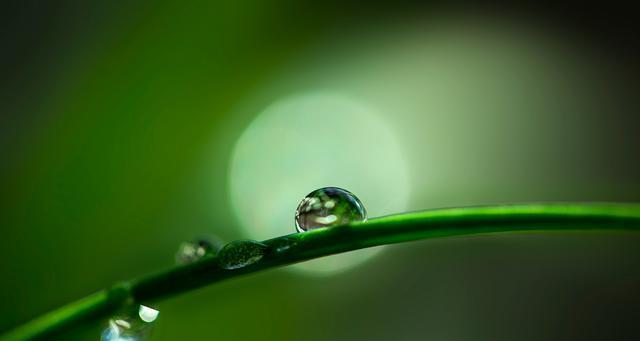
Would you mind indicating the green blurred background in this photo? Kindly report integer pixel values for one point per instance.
(128, 128)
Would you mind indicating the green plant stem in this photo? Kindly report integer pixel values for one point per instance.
(327, 241)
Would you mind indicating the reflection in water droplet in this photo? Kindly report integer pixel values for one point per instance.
(328, 206)
(193, 251)
(131, 325)
(241, 253)
(282, 245)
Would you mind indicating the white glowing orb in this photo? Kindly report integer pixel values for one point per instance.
(304, 142)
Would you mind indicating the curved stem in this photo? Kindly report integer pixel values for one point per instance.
(327, 241)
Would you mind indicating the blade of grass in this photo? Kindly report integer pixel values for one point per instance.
(299, 247)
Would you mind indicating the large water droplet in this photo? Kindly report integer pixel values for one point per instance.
(328, 206)
(131, 325)
(241, 253)
(195, 250)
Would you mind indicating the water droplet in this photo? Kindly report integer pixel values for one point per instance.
(147, 314)
(328, 206)
(131, 325)
(241, 253)
(282, 245)
(195, 250)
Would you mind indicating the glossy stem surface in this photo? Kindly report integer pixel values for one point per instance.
(321, 242)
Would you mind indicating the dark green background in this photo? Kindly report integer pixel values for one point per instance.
(117, 127)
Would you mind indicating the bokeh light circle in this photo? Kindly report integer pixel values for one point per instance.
(308, 141)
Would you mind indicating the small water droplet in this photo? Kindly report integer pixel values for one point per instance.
(328, 206)
(241, 253)
(195, 250)
(282, 245)
(131, 325)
